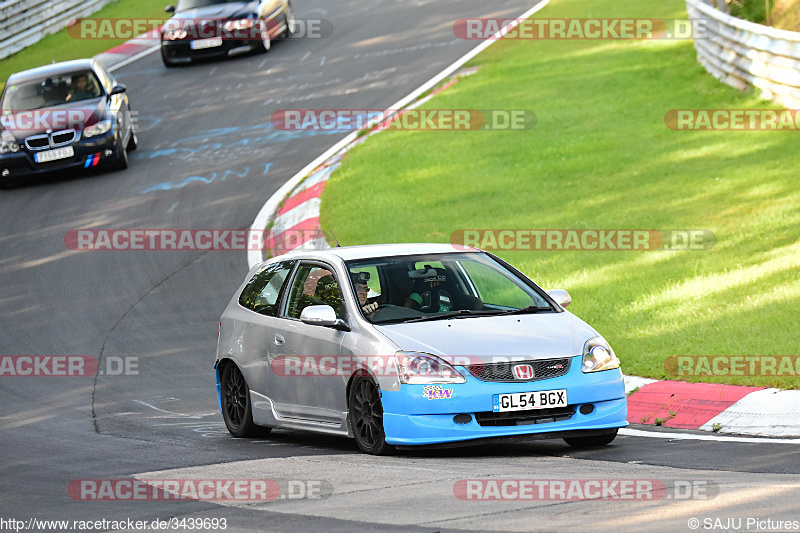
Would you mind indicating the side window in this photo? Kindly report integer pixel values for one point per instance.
(261, 294)
(314, 285)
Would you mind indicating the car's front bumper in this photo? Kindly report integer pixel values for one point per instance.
(410, 419)
(181, 51)
(90, 152)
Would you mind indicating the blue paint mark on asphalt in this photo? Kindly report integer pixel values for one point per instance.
(214, 176)
(274, 137)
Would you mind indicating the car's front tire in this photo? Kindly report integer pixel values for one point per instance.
(133, 141)
(121, 162)
(592, 442)
(265, 43)
(366, 417)
(236, 407)
(290, 21)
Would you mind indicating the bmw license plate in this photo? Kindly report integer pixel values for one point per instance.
(200, 44)
(521, 401)
(53, 155)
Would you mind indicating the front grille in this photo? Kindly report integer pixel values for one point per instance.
(550, 368)
(525, 418)
(38, 142)
(61, 138)
(51, 140)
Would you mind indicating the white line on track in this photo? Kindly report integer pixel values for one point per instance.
(628, 432)
(255, 256)
(136, 57)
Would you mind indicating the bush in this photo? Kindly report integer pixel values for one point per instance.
(752, 10)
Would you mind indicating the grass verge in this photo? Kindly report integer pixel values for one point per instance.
(602, 157)
(60, 46)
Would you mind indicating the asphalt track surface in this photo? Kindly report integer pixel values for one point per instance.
(208, 160)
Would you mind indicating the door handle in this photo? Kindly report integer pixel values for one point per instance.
(279, 340)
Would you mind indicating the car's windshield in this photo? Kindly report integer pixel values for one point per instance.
(50, 91)
(183, 5)
(427, 287)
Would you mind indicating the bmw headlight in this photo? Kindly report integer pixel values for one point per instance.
(423, 369)
(98, 129)
(175, 34)
(8, 143)
(240, 24)
(598, 356)
(8, 147)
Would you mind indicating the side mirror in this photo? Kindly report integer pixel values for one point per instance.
(170, 9)
(561, 297)
(322, 315)
(118, 89)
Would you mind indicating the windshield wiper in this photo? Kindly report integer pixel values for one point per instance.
(463, 313)
(525, 310)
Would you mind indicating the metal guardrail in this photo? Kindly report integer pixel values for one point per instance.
(25, 22)
(743, 54)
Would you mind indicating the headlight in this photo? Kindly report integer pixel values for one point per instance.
(174, 35)
(423, 369)
(98, 129)
(241, 24)
(598, 356)
(8, 146)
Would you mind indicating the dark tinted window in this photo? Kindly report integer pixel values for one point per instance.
(261, 294)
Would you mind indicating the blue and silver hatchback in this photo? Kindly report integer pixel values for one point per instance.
(412, 345)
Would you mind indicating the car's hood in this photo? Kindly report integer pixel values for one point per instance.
(217, 11)
(77, 115)
(531, 336)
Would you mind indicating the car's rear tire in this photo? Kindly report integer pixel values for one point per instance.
(236, 407)
(366, 417)
(592, 442)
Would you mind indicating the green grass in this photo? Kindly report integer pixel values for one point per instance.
(601, 157)
(60, 46)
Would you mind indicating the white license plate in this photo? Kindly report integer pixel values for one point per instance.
(522, 401)
(53, 155)
(200, 44)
